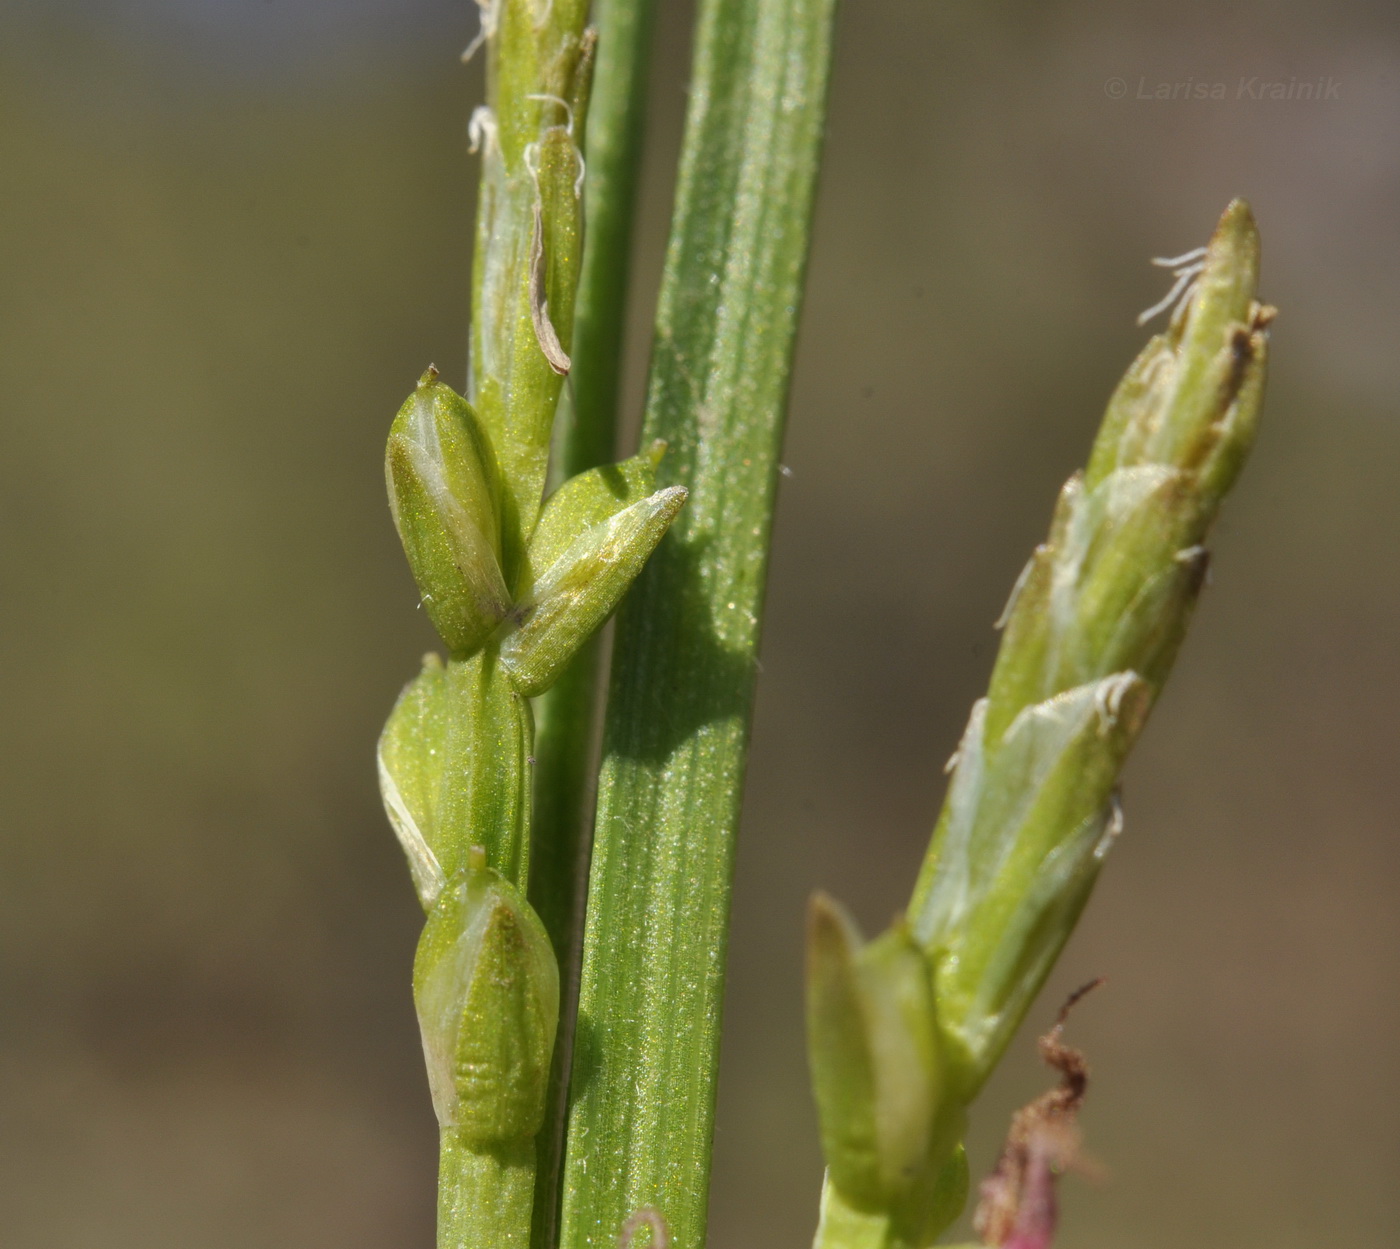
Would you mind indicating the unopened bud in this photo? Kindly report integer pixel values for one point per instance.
(486, 986)
(1023, 834)
(442, 493)
(594, 536)
(873, 1043)
(454, 771)
(556, 243)
(1113, 586)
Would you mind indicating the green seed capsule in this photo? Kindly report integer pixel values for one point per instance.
(579, 586)
(486, 986)
(454, 771)
(583, 501)
(441, 481)
(876, 1068)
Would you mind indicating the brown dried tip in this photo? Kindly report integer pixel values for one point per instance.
(1017, 1207)
(545, 334)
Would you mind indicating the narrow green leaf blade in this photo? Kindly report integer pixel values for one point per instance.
(677, 730)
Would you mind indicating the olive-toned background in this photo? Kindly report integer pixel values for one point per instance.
(231, 236)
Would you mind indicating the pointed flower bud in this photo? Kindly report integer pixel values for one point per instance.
(583, 501)
(876, 1068)
(442, 494)
(594, 536)
(487, 991)
(1113, 587)
(1020, 843)
(1091, 632)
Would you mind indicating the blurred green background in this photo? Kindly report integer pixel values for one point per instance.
(231, 236)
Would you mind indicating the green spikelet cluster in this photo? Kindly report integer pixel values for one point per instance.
(1090, 634)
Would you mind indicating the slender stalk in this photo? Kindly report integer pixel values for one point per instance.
(566, 759)
(645, 1060)
(616, 129)
(526, 209)
(586, 436)
(484, 1196)
(537, 83)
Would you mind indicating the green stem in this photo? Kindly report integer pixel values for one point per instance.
(537, 77)
(565, 758)
(538, 69)
(616, 128)
(842, 1226)
(484, 1197)
(677, 728)
(586, 436)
